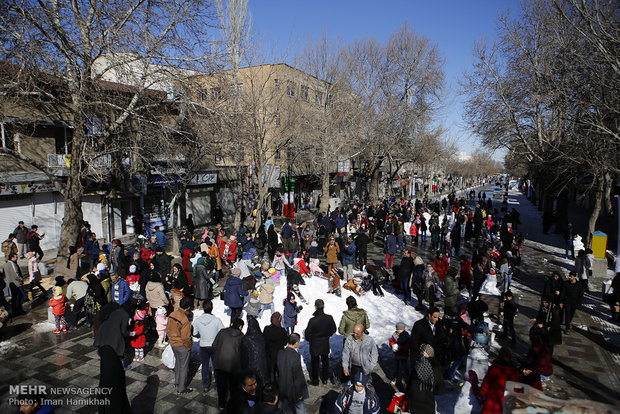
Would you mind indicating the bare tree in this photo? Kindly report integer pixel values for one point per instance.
(400, 85)
(236, 22)
(334, 122)
(73, 42)
(543, 92)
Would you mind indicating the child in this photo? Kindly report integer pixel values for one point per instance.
(253, 306)
(133, 279)
(58, 304)
(399, 342)
(138, 339)
(528, 374)
(280, 262)
(161, 321)
(289, 316)
(510, 311)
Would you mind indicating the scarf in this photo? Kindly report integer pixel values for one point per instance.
(424, 372)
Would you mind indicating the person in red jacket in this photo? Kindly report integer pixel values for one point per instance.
(465, 274)
(441, 265)
(138, 339)
(528, 374)
(493, 386)
(58, 304)
(540, 352)
(232, 249)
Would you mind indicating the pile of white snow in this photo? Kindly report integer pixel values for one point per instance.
(383, 312)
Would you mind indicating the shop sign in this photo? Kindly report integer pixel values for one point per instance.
(204, 178)
(27, 188)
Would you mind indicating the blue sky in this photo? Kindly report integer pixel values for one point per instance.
(453, 25)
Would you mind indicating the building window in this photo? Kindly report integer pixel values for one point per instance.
(330, 100)
(202, 95)
(276, 84)
(235, 90)
(291, 89)
(216, 94)
(318, 97)
(304, 93)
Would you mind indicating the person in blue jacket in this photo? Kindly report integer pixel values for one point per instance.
(340, 222)
(390, 250)
(233, 296)
(289, 316)
(119, 290)
(348, 257)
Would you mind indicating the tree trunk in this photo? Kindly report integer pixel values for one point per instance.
(374, 185)
(324, 191)
(609, 205)
(73, 216)
(596, 209)
(239, 200)
(561, 218)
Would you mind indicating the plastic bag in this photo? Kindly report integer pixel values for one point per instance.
(167, 357)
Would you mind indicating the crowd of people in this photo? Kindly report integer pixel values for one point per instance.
(135, 296)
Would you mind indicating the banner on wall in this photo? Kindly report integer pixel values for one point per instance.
(27, 188)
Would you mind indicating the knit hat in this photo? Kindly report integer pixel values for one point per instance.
(236, 272)
(132, 269)
(272, 271)
(57, 292)
(401, 325)
(100, 267)
(360, 378)
(427, 350)
(140, 314)
(290, 296)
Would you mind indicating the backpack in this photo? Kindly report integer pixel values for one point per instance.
(480, 336)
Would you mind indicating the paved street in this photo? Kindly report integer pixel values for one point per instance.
(586, 365)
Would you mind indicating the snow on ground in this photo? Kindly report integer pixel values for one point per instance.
(44, 327)
(7, 346)
(383, 313)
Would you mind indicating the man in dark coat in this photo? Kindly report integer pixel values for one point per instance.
(276, 338)
(254, 352)
(429, 330)
(405, 270)
(426, 331)
(226, 361)
(246, 395)
(320, 328)
(361, 243)
(573, 294)
(293, 388)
